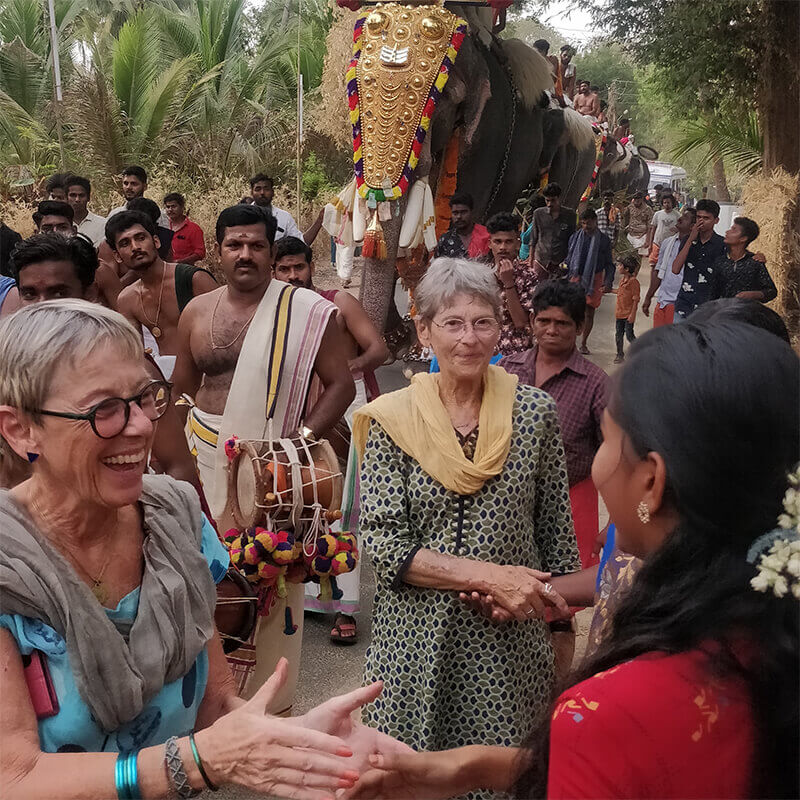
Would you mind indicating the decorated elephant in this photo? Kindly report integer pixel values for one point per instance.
(623, 170)
(438, 104)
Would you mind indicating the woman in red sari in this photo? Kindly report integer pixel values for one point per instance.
(694, 691)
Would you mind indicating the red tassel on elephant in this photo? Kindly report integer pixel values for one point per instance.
(374, 244)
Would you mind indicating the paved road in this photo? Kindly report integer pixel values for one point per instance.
(329, 669)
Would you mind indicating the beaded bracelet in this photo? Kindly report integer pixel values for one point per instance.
(199, 762)
(126, 776)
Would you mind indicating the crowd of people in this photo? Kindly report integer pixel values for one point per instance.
(126, 369)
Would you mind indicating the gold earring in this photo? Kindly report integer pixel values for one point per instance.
(643, 512)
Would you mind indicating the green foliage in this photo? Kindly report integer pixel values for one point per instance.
(316, 183)
(206, 85)
(736, 140)
(707, 50)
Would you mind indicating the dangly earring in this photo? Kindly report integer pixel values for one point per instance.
(643, 512)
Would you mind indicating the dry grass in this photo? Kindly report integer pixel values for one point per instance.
(330, 117)
(773, 201)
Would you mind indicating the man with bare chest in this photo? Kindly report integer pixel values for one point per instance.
(247, 353)
(154, 302)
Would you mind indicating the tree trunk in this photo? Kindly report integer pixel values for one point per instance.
(779, 93)
(720, 182)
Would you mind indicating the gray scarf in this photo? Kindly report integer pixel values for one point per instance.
(118, 669)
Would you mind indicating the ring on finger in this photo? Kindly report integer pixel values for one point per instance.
(530, 611)
(548, 587)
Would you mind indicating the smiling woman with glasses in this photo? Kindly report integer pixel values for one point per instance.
(109, 653)
(110, 417)
(464, 489)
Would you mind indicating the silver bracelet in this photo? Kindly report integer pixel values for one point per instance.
(177, 774)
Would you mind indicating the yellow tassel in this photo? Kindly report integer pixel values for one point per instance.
(374, 244)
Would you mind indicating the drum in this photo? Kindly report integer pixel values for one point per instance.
(236, 611)
(261, 482)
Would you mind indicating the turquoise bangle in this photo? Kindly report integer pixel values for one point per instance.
(126, 776)
(200, 766)
(133, 776)
(120, 783)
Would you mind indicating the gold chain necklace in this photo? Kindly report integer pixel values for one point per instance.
(211, 326)
(154, 329)
(98, 587)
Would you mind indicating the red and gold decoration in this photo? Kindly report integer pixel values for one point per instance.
(600, 137)
(402, 56)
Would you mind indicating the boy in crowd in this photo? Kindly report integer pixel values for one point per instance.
(628, 293)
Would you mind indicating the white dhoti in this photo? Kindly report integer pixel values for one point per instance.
(165, 363)
(347, 593)
(271, 382)
(639, 243)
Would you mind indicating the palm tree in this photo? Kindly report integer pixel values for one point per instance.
(734, 139)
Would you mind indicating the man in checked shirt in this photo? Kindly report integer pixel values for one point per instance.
(579, 388)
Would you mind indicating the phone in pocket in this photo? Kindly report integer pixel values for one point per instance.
(40, 685)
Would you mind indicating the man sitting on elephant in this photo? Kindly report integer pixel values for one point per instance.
(517, 280)
(465, 238)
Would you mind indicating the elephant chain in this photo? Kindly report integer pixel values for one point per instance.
(507, 153)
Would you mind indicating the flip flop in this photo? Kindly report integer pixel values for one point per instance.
(340, 627)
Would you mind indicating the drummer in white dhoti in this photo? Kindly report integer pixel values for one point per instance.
(366, 351)
(247, 353)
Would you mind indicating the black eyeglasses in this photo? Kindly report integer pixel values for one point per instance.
(110, 417)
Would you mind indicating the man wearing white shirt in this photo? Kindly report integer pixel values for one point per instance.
(262, 190)
(134, 184)
(79, 191)
(665, 284)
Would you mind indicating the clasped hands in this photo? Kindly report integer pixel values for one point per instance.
(516, 593)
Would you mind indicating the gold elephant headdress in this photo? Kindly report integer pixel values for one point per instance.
(402, 56)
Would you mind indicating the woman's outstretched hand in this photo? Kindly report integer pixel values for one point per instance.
(335, 717)
(413, 776)
(272, 755)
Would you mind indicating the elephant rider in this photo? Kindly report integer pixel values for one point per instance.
(548, 234)
(247, 353)
(586, 101)
(366, 351)
(465, 238)
(565, 76)
(517, 280)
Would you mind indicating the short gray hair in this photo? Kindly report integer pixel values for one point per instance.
(36, 340)
(447, 277)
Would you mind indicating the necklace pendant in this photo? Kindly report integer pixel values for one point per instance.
(156, 331)
(100, 592)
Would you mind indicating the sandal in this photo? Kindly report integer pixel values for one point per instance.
(344, 624)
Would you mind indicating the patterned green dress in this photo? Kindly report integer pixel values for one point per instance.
(452, 677)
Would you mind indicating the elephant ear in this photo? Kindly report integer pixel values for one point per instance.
(531, 71)
(464, 96)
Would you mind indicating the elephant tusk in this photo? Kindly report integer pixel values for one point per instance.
(413, 215)
(359, 219)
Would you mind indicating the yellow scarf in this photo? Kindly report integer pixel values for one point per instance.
(417, 422)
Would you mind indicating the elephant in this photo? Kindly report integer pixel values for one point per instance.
(494, 102)
(622, 170)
